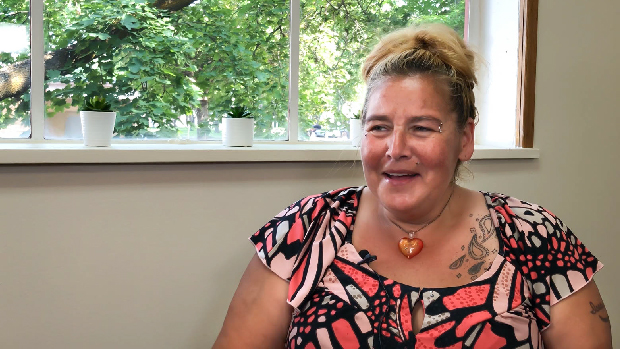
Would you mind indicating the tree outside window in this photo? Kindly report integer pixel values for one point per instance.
(172, 68)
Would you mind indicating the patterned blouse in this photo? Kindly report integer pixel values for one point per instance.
(340, 302)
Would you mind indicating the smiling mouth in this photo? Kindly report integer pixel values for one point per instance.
(400, 175)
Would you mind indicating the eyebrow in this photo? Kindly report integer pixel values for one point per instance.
(381, 117)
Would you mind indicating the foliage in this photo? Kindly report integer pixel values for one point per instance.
(137, 55)
(157, 66)
(96, 103)
(14, 12)
(239, 112)
(330, 88)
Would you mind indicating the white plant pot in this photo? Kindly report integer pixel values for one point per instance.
(238, 132)
(97, 128)
(355, 132)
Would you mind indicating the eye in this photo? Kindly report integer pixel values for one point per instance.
(426, 127)
(377, 128)
(419, 128)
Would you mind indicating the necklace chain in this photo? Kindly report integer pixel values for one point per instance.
(413, 231)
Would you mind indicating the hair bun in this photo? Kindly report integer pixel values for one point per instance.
(432, 44)
(423, 41)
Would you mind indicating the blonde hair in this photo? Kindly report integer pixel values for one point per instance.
(433, 49)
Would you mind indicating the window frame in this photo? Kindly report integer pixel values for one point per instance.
(525, 111)
(526, 78)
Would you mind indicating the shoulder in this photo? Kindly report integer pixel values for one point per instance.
(344, 199)
(553, 261)
(523, 215)
(302, 240)
(540, 241)
(294, 226)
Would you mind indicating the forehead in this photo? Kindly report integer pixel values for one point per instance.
(410, 96)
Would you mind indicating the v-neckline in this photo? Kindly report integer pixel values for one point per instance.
(499, 257)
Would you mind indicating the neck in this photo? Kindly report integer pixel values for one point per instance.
(416, 222)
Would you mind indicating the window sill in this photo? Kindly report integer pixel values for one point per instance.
(178, 152)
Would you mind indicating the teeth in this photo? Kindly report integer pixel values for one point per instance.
(399, 174)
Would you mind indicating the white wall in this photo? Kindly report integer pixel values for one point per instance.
(148, 256)
(135, 256)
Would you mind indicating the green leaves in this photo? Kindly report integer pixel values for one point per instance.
(52, 74)
(157, 68)
(130, 22)
(100, 36)
(134, 65)
(238, 112)
(96, 103)
(335, 38)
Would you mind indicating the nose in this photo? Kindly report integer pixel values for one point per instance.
(397, 146)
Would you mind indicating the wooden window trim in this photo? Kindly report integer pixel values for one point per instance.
(526, 79)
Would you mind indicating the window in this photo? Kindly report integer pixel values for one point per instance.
(173, 68)
(169, 72)
(14, 69)
(334, 39)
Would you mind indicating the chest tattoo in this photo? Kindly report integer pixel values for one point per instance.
(476, 254)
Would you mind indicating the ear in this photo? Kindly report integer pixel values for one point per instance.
(467, 141)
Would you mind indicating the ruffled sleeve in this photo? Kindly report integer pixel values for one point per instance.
(300, 242)
(569, 267)
(554, 262)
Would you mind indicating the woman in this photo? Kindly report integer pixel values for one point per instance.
(412, 260)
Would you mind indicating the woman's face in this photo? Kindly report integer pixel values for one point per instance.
(412, 144)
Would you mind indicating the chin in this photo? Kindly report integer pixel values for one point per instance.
(398, 201)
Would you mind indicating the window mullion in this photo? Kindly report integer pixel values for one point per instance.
(37, 71)
(293, 87)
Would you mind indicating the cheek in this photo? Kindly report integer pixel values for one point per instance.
(367, 148)
(372, 160)
(437, 155)
(370, 151)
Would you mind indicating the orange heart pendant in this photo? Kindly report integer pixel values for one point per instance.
(410, 247)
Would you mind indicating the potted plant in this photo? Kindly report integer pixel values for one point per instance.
(355, 129)
(238, 127)
(97, 121)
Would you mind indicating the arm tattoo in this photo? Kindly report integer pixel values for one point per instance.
(596, 308)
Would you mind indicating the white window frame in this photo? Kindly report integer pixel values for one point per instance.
(37, 149)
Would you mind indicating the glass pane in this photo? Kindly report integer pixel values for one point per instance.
(14, 69)
(335, 37)
(169, 73)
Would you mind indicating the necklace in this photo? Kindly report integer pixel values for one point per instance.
(411, 246)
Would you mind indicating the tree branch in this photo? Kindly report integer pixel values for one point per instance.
(172, 5)
(15, 78)
(279, 28)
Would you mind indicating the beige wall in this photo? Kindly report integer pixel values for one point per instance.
(148, 256)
